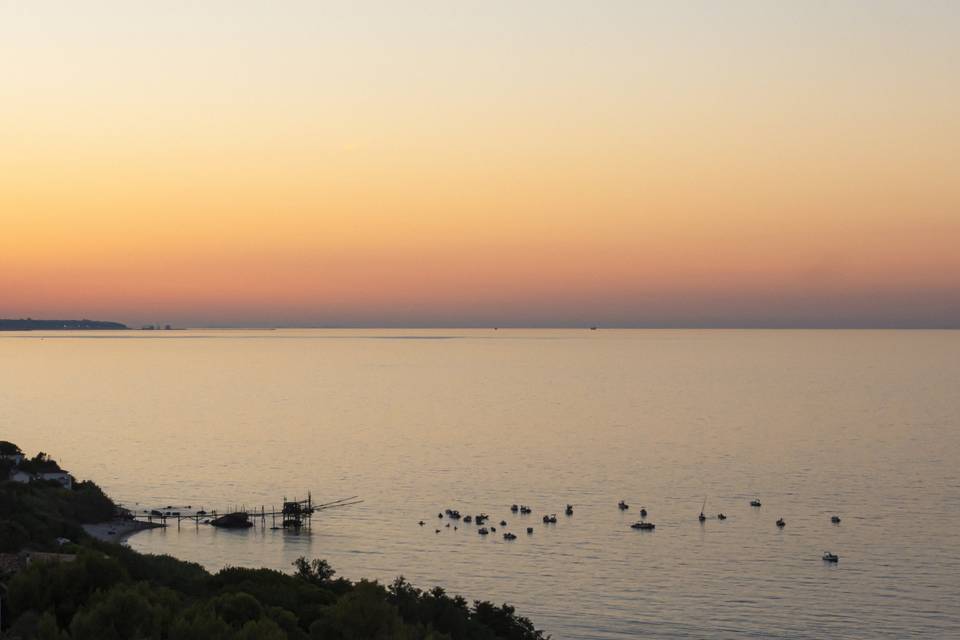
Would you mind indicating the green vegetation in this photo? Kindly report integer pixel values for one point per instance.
(9, 449)
(109, 592)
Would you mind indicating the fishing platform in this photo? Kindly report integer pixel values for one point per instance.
(295, 514)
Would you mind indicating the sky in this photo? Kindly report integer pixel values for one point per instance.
(481, 163)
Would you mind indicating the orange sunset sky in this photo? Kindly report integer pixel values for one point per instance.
(481, 163)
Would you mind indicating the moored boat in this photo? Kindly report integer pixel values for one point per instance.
(236, 520)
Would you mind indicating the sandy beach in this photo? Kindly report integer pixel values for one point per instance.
(117, 530)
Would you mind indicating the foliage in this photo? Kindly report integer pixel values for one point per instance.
(46, 511)
(109, 593)
(9, 449)
(40, 463)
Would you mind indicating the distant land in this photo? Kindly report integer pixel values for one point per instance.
(29, 324)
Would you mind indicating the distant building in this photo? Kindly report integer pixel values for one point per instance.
(20, 476)
(64, 478)
(37, 556)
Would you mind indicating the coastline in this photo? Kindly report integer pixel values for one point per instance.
(121, 529)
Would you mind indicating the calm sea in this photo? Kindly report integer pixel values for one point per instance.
(861, 424)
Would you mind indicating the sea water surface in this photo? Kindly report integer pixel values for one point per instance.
(861, 424)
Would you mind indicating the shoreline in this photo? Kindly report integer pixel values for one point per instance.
(122, 529)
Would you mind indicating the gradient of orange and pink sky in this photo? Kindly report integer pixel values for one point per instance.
(481, 163)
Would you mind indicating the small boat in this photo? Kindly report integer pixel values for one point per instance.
(514, 508)
(156, 514)
(482, 531)
(754, 503)
(720, 516)
(421, 523)
(781, 523)
(509, 536)
(480, 519)
(623, 506)
(201, 512)
(448, 525)
(643, 526)
(830, 557)
(494, 529)
(503, 523)
(529, 529)
(236, 520)
(468, 519)
(439, 515)
(551, 519)
(436, 531)
(701, 517)
(525, 509)
(569, 510)
(643, 512)
(835, 519)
